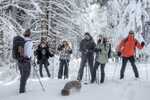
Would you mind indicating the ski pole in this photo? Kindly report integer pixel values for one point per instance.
(53, 69)
(115, 69)
(38, 76)
(86, 74)
(146, 72)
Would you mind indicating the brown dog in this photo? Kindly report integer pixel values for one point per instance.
(69, 85)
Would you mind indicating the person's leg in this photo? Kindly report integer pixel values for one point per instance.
(90, 62)
(132, 61)
(82, 65)
(40, 69)
(94, 71)
(60, 69)
(46, 68)
(26, 68)
(124, 63)
(22, 88)
(66, 69)
(102, 73)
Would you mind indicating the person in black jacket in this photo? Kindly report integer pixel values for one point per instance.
(87, 46)
(43, 55)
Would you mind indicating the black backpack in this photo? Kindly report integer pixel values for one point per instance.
(18, 47)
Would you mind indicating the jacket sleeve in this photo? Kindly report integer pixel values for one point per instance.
(138, 45)
(51, 55)
(70, 51)
(120, 46)
(81, 49)
(97, 48)
(94, 45)
(60, 47)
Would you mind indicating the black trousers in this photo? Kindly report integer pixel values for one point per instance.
(63, 68)
(45, 63)
(85, 59)
(102, 72)
(124, 63)
(24, 68)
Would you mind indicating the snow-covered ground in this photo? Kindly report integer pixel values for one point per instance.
(112, 89)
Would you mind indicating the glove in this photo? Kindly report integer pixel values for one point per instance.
(142, 43)
(119, 53)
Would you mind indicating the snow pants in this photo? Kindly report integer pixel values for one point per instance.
(102, 72)
(45, 63)
(124, 63)
(85, 59)
(63, 68)
(24, 68)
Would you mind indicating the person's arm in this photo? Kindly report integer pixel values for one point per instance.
(139, 45)
(70, 51)
(120, 47)
(97, 48)
(94, 46)
(60, 47)
(50, 54)
(81, 47)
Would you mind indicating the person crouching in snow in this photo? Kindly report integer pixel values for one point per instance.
(102, 50)
(65, 53)
(127, 50)
(70, 85)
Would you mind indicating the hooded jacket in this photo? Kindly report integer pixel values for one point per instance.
(87, 46)
(128, 46)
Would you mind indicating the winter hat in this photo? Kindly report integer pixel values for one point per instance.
(87, 34)
(27, 33)
(131, 32)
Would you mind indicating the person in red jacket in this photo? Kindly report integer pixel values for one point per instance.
(127, 50)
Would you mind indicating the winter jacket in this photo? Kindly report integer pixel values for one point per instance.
(87, 46)
(128, 46)
(102, 53)
(65, 53)
(43, 53)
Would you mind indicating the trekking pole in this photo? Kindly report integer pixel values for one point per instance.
(115, 69)
(86, 74)
(97, 76)
(146, 72)
(38, 77)
(53, 69)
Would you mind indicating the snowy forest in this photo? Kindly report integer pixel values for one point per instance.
(59, 20)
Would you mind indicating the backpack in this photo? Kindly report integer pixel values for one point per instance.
(18, 47)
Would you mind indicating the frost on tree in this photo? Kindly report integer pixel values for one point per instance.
(146, 33)
(15, 17)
